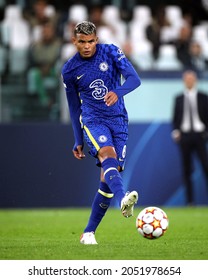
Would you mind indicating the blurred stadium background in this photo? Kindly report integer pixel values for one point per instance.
(37, 168)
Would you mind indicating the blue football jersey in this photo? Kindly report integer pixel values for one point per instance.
(87, 81)
(92, 78)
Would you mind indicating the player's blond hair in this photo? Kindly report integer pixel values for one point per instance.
(85, 27)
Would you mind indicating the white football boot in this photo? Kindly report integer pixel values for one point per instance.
(88, 238)
(128, 202)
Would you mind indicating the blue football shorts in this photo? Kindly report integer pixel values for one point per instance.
(101, 134)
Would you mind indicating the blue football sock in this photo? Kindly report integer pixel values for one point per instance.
(99, 207)
(113, 178)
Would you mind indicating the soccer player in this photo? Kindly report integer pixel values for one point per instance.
(95, 90)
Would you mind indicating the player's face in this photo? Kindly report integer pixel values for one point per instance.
(85, 44)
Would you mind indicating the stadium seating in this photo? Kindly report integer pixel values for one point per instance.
(167, 59)
(14, 28)
(112, 17)
(18, 60)
(174, 14)
(137, 32)
(169, 33)
(200, 33)
(142, 55)
(111, 12)
(106, 36)
(16, 35)
(77, 13)
(50, 11)
(67, 50)
(204, 46)
(142, 15)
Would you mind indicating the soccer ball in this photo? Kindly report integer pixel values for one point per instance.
(152, 222)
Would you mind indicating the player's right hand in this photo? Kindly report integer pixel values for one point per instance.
(110, 98)
(78, 153)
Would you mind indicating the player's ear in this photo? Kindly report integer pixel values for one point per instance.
(74, 40)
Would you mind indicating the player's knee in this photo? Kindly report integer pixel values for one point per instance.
(106, 152)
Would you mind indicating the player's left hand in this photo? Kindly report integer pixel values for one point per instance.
(110, 98)
(78, 152)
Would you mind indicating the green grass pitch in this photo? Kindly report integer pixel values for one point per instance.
(53, 234)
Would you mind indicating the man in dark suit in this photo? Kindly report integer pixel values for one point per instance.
(190, 128)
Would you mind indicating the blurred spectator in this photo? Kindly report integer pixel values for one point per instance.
(183, 44)
(95, 15)
(197, 9)
(43, 75)
(153, 31)
(67, 49)
(67, 32)
(41, 12)
(198, 62)
(106, 32)
(189, 51)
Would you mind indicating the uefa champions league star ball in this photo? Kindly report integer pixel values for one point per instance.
(152, 222)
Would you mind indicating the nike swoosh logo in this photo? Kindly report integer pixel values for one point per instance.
(79, 77)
